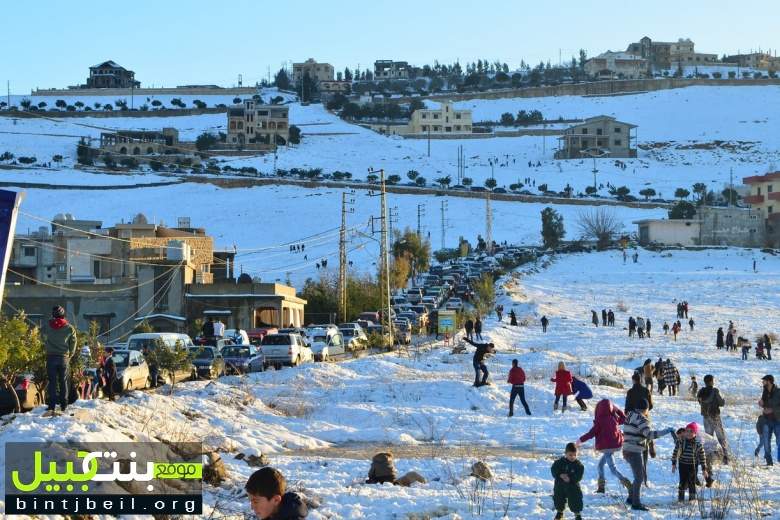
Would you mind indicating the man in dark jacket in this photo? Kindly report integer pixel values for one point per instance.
(469, 326)
(269, 498)
(710, 400)
(109, 371)
(479, 361)
(770, 406)
(545, 322)
(208, 328)
(478, 328)
(603, 317)
(636, 394)
(60, 342)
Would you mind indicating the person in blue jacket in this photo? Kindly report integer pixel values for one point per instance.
(582, 392)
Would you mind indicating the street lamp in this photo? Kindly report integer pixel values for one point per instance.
(595, 153)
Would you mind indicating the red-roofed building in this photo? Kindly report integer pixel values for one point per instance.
(765, 198)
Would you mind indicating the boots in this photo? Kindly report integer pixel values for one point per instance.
(601, 484)
(680, 495)
(559, 515)
(555, 406)
(626, 483)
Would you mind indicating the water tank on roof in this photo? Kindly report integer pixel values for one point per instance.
(59, 216)
(140, 219)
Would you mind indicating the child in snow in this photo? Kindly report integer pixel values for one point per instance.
(694, 388)
(567, 472)
(690, 453)
(269, 498)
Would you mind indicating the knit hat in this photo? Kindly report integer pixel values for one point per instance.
(642, 405)
(693, 427)
(58, 312)
(769, 377)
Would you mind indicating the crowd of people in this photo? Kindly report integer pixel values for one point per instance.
(732, 342)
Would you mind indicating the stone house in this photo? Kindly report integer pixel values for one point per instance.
(111, 75)
(597, 135)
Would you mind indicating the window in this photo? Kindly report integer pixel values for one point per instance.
(96, 268)
(436, 116)
(447, 119)
(457, 128)
(618, 130)
(28, 251)
(448, 129)
(599, 131)
(585, 131)
(457, 116)
(769, 189)
(600, 142)
(618, 142)
(770, 210)
(425, 115)
(60, 268)
(758, 190)
(424, 128)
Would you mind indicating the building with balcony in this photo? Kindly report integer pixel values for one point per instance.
(599, 136)
(256, 126)
(141, 142)
(111, 75)
(616, 65)
(317, 71)
(764, 197)
(668, 55)
(389, 69)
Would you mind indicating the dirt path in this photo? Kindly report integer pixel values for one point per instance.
(366, 450)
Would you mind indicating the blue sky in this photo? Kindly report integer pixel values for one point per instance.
(52, 44)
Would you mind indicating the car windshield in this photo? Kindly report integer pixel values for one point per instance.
(320, 339)
(204, 353)
(140, 344)
(276, 340)
(235, 352)
(121, 359)
(347, 332)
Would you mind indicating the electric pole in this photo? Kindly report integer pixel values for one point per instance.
(429, 140)
(443, 223)
(343, 256)
(393, 214)
(420, 213)
(731, 185)
(384, 253)
(488, 224)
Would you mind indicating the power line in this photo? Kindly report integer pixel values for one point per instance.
(84, 291)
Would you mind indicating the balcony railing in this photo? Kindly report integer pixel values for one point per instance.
(754, 199)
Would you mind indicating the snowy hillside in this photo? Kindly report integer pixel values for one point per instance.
(424, 409)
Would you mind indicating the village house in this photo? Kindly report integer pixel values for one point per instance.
(329, 89)
(764, 198)
(622, 65)
(712, 226)
(437, 122)
(667, 55)
(140, 142)
(389, 69)
(600, 135)
(316, 71)
(110, 75)
(255, 126)
(755, 60)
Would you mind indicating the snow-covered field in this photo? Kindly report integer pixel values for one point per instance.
(320, 424)
(260, 221)
(694, 116)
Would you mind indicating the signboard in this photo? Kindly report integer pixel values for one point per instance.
(9, 207)
(447, 322)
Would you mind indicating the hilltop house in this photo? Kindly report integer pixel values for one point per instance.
(666, 55)
(600, 135)
(316, 71)
(389, 69)
(765, 200)
(436, 122)
(111, 75)
(610, 65)
(256, 126)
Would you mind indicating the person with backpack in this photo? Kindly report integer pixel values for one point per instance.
(563, 380)
(59, 339)
(609, 440)
(689, 452)
(478, 361)
(637, 431)
(517, 380)
(567, 472)
(109, 371)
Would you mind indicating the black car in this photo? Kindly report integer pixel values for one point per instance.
(29, 392)
(499, 190)
(208, 363)
(478, 188)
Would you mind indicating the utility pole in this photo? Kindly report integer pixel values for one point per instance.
(731, 185)
(384, 253)
(443, 223)
(420, 213)
(393, 214)
(429, 139)
(488, 224)
(8, 99)
(343, 256)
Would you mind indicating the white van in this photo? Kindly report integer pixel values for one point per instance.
(151, 339)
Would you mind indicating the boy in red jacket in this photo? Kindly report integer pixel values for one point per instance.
(517, 380)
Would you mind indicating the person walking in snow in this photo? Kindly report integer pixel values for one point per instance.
(609, 440)
(768, 347)
(512, 318)
(604, 317)
(631, 326)
(730, 340)
(689, 452)
(671, 377)
(693, 388)
(517, 380)
(685, 309)
(637, 431)
(594, 318)
(545, 322)
(611, 318)
(744, 344)
(567, 472)
(711, 401)
(659, 375)
(676, 329)
(499, 312)
(563, 380)
(648, 325)
(469, 326)
(770, 407)
(109, 369)
(691, 323)
(478, 361)
(647, 374)
(59, 339)
(719, 338)
(640, 327)
(478, 328)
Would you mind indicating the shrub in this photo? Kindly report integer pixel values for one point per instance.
(295, 134)
(129, 162)
(205, 141)
(155, 165)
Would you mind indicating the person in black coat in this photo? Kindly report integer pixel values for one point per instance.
(545, 322)
(603, 317)
(594, 318)
(648, 326)
(719, 338)
(478, 328)
(479, 361)
(636, 394)
(109, 371)
(469, 326)
(208, 328)
(512, 318)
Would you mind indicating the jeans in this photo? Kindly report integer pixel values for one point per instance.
(518, 390)
(606, 458)
(638, 470)
(558, 397)
(57, 371)
(480, 366)
(714, 426)
(769, 429)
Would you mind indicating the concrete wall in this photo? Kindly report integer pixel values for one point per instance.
(175, 91)
(670, 232)
(732, 227)
(165, 112)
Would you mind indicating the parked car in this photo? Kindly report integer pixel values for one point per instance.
(256, 335)
(241, 359)
(285, 349)
(354, 339)
(325, 344)
(402, 333)
(132, 370)
(239, 336)
(217, 343)
(30, 394)
(146, 339)
(208, 362)
(303, 333)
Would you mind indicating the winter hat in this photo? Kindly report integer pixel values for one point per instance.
(693, 427)
(642, 405)
(768, 377)
(58, 312)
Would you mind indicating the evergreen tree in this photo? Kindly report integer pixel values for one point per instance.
(282, 80)
(552, 228)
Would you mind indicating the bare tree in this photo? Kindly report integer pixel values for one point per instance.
(599, 224)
